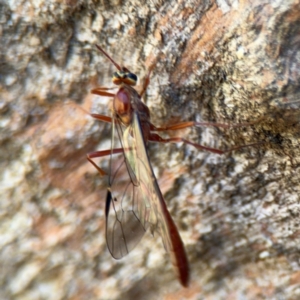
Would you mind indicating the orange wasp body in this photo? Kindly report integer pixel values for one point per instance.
(134, 201)
(138, 204)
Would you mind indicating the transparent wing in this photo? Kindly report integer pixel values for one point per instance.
(124, 228)
(134, 202)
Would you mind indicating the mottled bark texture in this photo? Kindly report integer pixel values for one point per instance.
(225, 61)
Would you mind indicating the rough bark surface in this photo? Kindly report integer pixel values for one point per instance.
(218, 61)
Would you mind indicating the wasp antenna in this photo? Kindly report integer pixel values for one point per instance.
(116, 65)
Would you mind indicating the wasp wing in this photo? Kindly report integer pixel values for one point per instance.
(134, 202)
(123, 227)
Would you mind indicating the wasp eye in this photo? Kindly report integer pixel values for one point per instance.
(132, 77)
(124, 77)
(116, 75)
(119, 75)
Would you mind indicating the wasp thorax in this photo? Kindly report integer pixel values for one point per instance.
(124, 76)
(122, 105)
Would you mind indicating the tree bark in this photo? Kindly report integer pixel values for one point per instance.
(231, 62)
